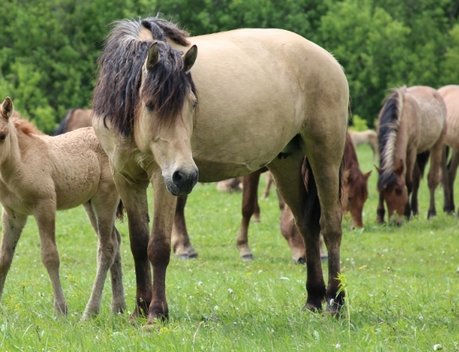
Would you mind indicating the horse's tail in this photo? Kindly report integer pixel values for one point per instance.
(388, 124)
(120, 211)
(312, 204)
(62, 128)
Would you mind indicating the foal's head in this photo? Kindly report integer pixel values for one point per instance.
(355, 194)
(165, 114)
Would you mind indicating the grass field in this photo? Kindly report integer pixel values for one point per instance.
(402, 287)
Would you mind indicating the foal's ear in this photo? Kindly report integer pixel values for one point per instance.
(367, 175)
(7, 107)
(189, 58)
(153, 56)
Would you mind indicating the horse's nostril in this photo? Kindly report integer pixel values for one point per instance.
(178, 176)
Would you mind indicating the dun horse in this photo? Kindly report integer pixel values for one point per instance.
(450, 96)
(255, 98)
(412, 122)
(40, 174)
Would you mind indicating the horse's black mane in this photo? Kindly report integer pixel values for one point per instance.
(388, 129)
(117, 92)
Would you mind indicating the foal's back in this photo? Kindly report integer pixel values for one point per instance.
(67, 169)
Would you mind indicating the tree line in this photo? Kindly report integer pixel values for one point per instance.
(49, 48)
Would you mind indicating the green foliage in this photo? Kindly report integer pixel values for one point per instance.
(49, 48)
(358, 123)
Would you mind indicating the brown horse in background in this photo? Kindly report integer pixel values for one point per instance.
(450, 95)
(252, 101)
(40, 174)
(75, 118)
(412, 122)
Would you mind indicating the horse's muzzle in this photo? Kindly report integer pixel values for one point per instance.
(182, 182)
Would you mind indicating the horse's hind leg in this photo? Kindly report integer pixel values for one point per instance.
(249, 207)
(102, 220)
(12, 228)
(181, 243)
(434, 176)
(45, 217)
(449, 175)
(306, 211)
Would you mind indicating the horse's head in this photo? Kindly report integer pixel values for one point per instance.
(355, 194)
(165, 114)
(6, 111)
(393, 189)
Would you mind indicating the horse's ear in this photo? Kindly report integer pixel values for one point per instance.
(367, 175)
(153, 56)
(7, 107)
(189, 58)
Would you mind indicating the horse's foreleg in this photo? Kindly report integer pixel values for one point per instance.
(134, 198)
(452, 170)
(159, 246)
(380, 211)
(306, 211)
(12, 228)
(449, 171)
(181, 243)
(45, 217)
(249, 206)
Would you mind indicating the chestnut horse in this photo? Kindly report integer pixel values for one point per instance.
(256, 98)
(450, 96)
(75, 118)
(412, 122)
(40, 174)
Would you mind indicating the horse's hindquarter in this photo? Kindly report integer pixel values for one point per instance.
(76, 167)
(430, 109)
(450, 95)
(257, 89)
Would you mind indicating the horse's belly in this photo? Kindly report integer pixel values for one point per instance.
(213, 171)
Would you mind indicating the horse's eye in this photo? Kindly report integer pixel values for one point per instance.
(398, 191)
(2, 136)
(150, 106)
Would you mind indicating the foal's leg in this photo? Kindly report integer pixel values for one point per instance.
(134, 198)
(181, 243)
(159, 247)
(13, 224)
(249, 206)
(45, 216)
(102, 219)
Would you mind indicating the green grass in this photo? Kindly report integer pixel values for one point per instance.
(402, 287)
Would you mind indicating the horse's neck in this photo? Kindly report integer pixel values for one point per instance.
(12, 159)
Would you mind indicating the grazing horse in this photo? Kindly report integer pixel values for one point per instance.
(75, 118)
(365, 137)
(40, 174)
(450, 96)
(412, 122)
(255, 98)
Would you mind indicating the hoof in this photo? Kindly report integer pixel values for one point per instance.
(247, 257)
(431, 214)
(313, 307)
(187, 254)
(334, 307)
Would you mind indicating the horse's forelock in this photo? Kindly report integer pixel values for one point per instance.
(116, 95)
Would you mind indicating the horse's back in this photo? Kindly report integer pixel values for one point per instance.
(252, 82)
(450, 95)
(78, 163)
(430, 110)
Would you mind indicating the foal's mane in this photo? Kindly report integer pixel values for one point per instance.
(117, 93)
(24, 126)
(389, 122)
